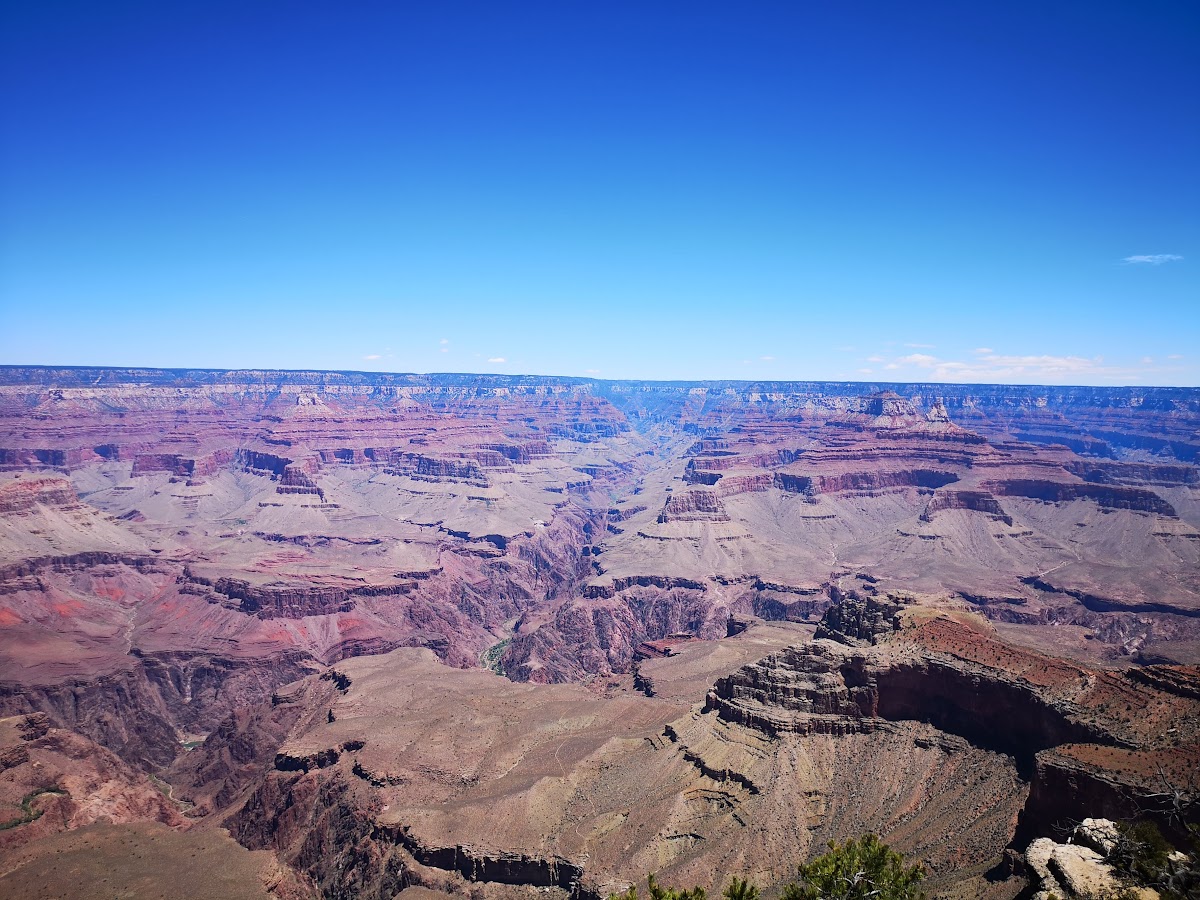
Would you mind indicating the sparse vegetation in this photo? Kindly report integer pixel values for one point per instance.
(28, 813)
(738, 889)
(861, 869)
(857, 870)
(1144, 857)
(340, 679)
(493, 657)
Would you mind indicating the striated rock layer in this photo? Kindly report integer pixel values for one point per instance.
(391, 771)
(184, 553)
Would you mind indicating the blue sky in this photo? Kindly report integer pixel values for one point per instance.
(956, 192)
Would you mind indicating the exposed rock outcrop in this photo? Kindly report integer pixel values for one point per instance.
(1079, 868)
(53, 780)
(284, 601)
(1107, 496)
(136, 713)
(856, 620)
(1076, 734)
(19, 497)
(694, 506)
(977, 501)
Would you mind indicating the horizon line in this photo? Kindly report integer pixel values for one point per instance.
(580, 378)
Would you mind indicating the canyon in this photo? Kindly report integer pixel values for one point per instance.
(492, 635)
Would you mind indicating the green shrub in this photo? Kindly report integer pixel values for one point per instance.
(740, 889)
(658, 892)
(862, 869)
(1141, 852)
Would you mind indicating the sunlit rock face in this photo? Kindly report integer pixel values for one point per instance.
(1002, 580)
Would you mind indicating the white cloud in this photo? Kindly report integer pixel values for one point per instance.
(989, 366)
(1153, 259)
(444, 341)
(983, 350)
(875, 359)
(767, 358)
(591, 371)
(496, 359)
(373, 356)
(920, 346)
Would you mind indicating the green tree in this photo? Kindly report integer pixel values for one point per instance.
(1143, 856)
(740, 889)
(658, 892)
(862, 869)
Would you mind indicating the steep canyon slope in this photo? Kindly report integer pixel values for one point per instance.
(176, 547)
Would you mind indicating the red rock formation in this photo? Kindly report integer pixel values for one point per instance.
(1093, 744)
(977, 501)
(1108, 496)
(52, 780)
(457, 469)
(285, 601)
(693, 506)
(17, 497)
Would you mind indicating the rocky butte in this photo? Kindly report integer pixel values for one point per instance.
(361, 634)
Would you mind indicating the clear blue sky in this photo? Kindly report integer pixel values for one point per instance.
(903, 191)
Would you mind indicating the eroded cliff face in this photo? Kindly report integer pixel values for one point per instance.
(326, 829)
(472, 780)
(141, 712)
(23, 497)
(54, 780)
(393, 770)
(1091, 743)
(898, 737)
(600, 635)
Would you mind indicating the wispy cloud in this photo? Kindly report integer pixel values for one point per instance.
(373, 356)
(496, 359)
(920, 346)
(983, 350)
(1152, 259)
(444, 341)
(767, 358)
(989, 366)
(591, 371)
(875, 359)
